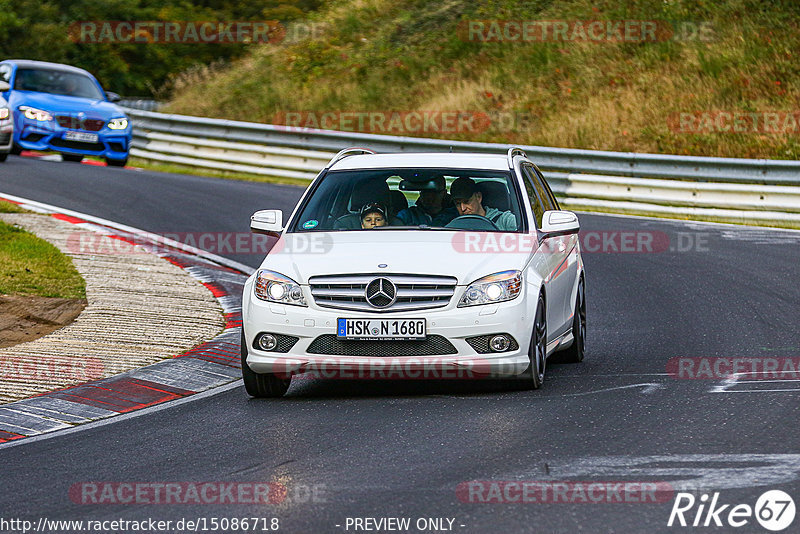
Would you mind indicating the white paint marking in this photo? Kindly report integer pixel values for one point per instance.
(735, 380)
(649, 387)
(685, 471)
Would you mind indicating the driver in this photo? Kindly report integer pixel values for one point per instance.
(469, 201)
(432, 207)
(69, 86)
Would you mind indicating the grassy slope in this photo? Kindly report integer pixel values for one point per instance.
(32, 266)
(407, 55)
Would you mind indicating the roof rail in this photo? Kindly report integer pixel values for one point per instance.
(515, 151)
(348, 152)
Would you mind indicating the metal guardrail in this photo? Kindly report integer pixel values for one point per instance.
(143, 104)
(728, 189)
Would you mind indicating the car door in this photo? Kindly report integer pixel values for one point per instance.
(547, 261)
(565, 252)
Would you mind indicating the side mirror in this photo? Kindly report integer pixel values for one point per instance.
(555, 223)
(4, 87)
(267, 222)
(113, 97)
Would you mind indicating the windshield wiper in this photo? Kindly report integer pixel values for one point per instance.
(418, 227)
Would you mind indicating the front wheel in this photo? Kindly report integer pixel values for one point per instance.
(261, 385)
(3, 156)
(533, 378)
(16, 149)
(116, 162)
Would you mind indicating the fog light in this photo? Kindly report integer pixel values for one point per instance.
(267, 342)
(499, 343)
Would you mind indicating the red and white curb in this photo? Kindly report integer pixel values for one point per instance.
(57, 157)
(209, 365)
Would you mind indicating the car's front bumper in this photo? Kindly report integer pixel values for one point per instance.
(46, 136)
(454, 324)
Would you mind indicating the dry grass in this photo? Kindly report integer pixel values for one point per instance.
(380, 55)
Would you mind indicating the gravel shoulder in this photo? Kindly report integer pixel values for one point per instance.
(140, 309)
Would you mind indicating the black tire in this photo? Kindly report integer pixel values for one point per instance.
(72, 158)
(116, 162)
(3, 156)
(533, 377)
(576, 351)
(16, 149)
(261, 385)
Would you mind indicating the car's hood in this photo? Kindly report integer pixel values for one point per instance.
(301, 256)
(67, 104)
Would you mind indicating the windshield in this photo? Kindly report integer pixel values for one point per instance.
(57, 82)
(408, 198)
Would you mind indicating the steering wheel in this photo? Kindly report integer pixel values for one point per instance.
(472, 222)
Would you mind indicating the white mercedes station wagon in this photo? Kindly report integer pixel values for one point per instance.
(416, 266)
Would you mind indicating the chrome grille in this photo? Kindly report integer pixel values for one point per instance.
(413, 292)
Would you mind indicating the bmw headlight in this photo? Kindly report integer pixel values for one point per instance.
(274, 287)
(118, 124)
(35, 114)
(3, 113)
(498, 287)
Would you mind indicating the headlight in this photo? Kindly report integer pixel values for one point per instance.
(275, 287)
(498, 287)
(118, 124)
(3, 113)
(35, 114)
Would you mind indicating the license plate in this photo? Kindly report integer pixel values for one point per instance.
(381, 329)
(81, 136)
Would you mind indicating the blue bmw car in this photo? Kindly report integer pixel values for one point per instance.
(64, 109)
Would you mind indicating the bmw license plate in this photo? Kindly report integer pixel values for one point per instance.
(381, 329)
(81, 136)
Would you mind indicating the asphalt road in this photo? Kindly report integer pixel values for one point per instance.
(350, 449)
